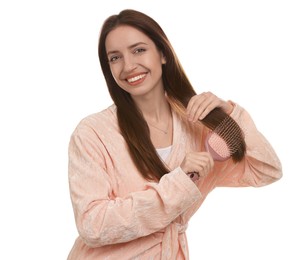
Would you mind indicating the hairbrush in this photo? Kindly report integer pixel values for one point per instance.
(226, 138)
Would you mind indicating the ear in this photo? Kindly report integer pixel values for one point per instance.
(163, 59)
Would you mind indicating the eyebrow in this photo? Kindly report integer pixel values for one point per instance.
(129, 47)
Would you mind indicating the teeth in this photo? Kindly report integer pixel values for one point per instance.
(136, 78)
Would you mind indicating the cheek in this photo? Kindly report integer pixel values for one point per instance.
(115, 72)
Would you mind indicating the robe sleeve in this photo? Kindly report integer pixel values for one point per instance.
(260, 166)
(101, 217)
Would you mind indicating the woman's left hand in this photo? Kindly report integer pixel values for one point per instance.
(201, 105)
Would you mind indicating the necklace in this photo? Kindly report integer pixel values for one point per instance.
(164, 131)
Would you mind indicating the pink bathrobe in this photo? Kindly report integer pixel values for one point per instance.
(120, 215)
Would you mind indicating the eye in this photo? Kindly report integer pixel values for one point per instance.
(114, 58)
(139, 50)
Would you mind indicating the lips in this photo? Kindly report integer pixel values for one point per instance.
(136, 79)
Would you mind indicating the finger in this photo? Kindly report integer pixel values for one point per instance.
(204, 109)
(194, 105)
(206, 164)
(195, 98)
(202, 166)
(197, 106)
(201, 162)
(210, 103)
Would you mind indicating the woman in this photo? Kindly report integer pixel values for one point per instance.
(139, 169)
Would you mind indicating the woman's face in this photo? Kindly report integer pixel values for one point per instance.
(135, 61)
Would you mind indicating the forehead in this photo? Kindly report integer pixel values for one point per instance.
(124, 36)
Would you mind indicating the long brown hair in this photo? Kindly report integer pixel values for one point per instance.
(177, 86)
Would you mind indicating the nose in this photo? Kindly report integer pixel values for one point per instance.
(128, 64)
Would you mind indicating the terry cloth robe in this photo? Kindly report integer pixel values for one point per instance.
(120, 215)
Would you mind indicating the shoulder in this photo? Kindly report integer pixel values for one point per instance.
(106, 116)
(100, 123)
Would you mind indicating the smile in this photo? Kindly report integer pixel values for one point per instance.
(136, 78)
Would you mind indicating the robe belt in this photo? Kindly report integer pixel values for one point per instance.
(170, 241)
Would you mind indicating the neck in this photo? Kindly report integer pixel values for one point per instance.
(154, 109)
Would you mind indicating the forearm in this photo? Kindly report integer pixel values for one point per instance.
(104, 222)
(261, 165)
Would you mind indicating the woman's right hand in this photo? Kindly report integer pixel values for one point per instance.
(199, 162)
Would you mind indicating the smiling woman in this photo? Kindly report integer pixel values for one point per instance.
(135, 62)
(139, 170)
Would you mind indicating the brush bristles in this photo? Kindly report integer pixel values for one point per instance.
(230, 131)
(227, 129)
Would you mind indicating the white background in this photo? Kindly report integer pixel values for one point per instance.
(50, 79)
